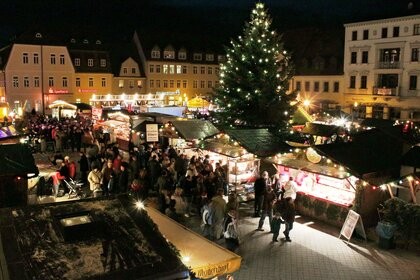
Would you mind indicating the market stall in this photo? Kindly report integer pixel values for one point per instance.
(60, 109)
(332, 178)
(205, 259)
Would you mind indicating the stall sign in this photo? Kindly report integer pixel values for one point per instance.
(152, 132)
(353, 219)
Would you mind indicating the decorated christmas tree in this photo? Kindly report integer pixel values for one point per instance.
(254, 79)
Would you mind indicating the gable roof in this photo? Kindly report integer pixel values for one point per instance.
(371, 151)
(16, 159)
(258, 141)
(191, 129)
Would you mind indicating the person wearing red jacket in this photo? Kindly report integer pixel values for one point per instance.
(57, 177)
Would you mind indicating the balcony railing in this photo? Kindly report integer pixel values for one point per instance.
(389, 64)
(386, 91)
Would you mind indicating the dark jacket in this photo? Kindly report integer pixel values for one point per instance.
(260, 187)
(123, 181)
(269, 199)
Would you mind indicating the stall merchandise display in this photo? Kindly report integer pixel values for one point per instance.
(241, 177)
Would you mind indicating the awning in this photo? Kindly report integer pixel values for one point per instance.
(205, 258)
(258, 141)
(191, 129)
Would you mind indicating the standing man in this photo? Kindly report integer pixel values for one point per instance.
(267, 208)
(218, 208)
(260, 187)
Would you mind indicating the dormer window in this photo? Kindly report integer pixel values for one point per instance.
(209, 57)
(72, 40)
(197, 56)
(85, 41)
(38, 35)
(182, 54)
(169, 53)
(98, 42)
(155, 52)
(220, 58)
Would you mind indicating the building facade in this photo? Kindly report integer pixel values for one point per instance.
(382, 68)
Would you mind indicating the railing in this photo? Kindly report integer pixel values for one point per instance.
(389, 64)
(386, 91)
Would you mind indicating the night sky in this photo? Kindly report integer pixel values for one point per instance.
(223, 18)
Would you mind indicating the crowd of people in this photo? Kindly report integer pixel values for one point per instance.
(182, 186)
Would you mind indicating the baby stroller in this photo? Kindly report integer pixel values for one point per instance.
(75, 188)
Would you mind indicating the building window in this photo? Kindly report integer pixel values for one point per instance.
(365, 56)
(326, 86)
(157, 68)
(216, 84)
(103, 62)
(90, 82)
(352, 82)
(178, 83)
(165, 83)
(25, 58)
(336, 87)
(131, 83)
(25, 81)
(197, 56)
(50, 81)
(178, 69)
(165, 69)
(139, 84)
(316, 86)
(184, 83)
(62, 61)
(155, 54)
(203, 70)
(209, 57)
(415, 54)
(195, 69)
(125, 71)
(52, 59)
(182, 55)
(90, 62)
(220, 58)
(298, 85)
(363, 82)
(36, 58)
(209, 84)
(354, 36)
(396, 31)
(171, 69)
(77, 61)
(216, 71)
(184, 69)
(365, 34)
(416, 29)
(151, 83)
(413, 83)
(103, 82)
(384, 32)
(133, 70)
(195, 84)
(36, 81)
(77, 82)
(15, 82)
(65, 82)
(151, 68)
(210, 70)
(171, 83)
(202, 84)
(353, 59)
(121, 83)
(169, 54)
(307, 86)
(158, 83)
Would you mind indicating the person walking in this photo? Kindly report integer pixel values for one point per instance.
(267, 208)
(287, 209)
(276, 225)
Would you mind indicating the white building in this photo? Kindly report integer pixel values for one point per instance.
(36, 74)
(382, 68)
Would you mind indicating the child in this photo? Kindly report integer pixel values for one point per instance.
(289, 217)
(275, 225)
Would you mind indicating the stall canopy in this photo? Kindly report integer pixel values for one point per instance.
(223, 147)
(258, 141)
(191, 129)
(319, 129)
(17, 159)
(62, 104)
(371, 152)
(206, 259)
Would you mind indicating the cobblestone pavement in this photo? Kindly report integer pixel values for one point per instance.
(315, 252)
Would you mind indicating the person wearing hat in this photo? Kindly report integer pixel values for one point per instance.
(231, 231)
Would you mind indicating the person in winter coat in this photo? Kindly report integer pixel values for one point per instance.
(275, 225)
(123, 178)
(84, 167)
(267, 208)
(287, 209)
(94, 179)
(218, 206)
(260, 187)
